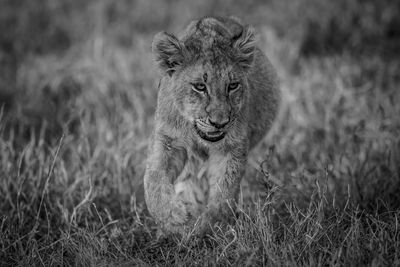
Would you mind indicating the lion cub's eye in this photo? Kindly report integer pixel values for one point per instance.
(233, 86)
(201, 87)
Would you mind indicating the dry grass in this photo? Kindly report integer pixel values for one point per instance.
(77, 111)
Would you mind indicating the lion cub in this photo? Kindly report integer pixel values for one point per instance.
(218, 96)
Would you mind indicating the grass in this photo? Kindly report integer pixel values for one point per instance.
(77, 111)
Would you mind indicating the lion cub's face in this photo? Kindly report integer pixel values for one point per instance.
(210, 97)
(207, 70)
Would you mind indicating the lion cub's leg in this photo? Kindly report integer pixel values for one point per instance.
(164, 165)
(192, 187)
(224, 173)
(193, 193)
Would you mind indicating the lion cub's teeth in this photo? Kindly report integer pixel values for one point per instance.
(218, 133)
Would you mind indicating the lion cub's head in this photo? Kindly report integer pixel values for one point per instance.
(206, 71)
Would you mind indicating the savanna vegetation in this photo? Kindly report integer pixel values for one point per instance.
(78, 94)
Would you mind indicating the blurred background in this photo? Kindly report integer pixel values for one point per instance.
(79, 76)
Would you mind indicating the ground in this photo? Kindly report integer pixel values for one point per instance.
(78, 93)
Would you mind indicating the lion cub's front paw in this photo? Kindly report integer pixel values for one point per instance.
(192, 194)
(179, 214)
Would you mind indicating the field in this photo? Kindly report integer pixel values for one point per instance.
(78, 94)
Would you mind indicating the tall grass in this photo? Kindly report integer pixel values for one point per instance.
(78, 94)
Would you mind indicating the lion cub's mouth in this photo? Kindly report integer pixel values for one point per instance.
(208, 132)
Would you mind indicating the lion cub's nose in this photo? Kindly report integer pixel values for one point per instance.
(218, 122)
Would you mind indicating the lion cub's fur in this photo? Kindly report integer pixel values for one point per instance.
(218, 97)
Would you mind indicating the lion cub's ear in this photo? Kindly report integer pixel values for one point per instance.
(245, 44)
(169, 52)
